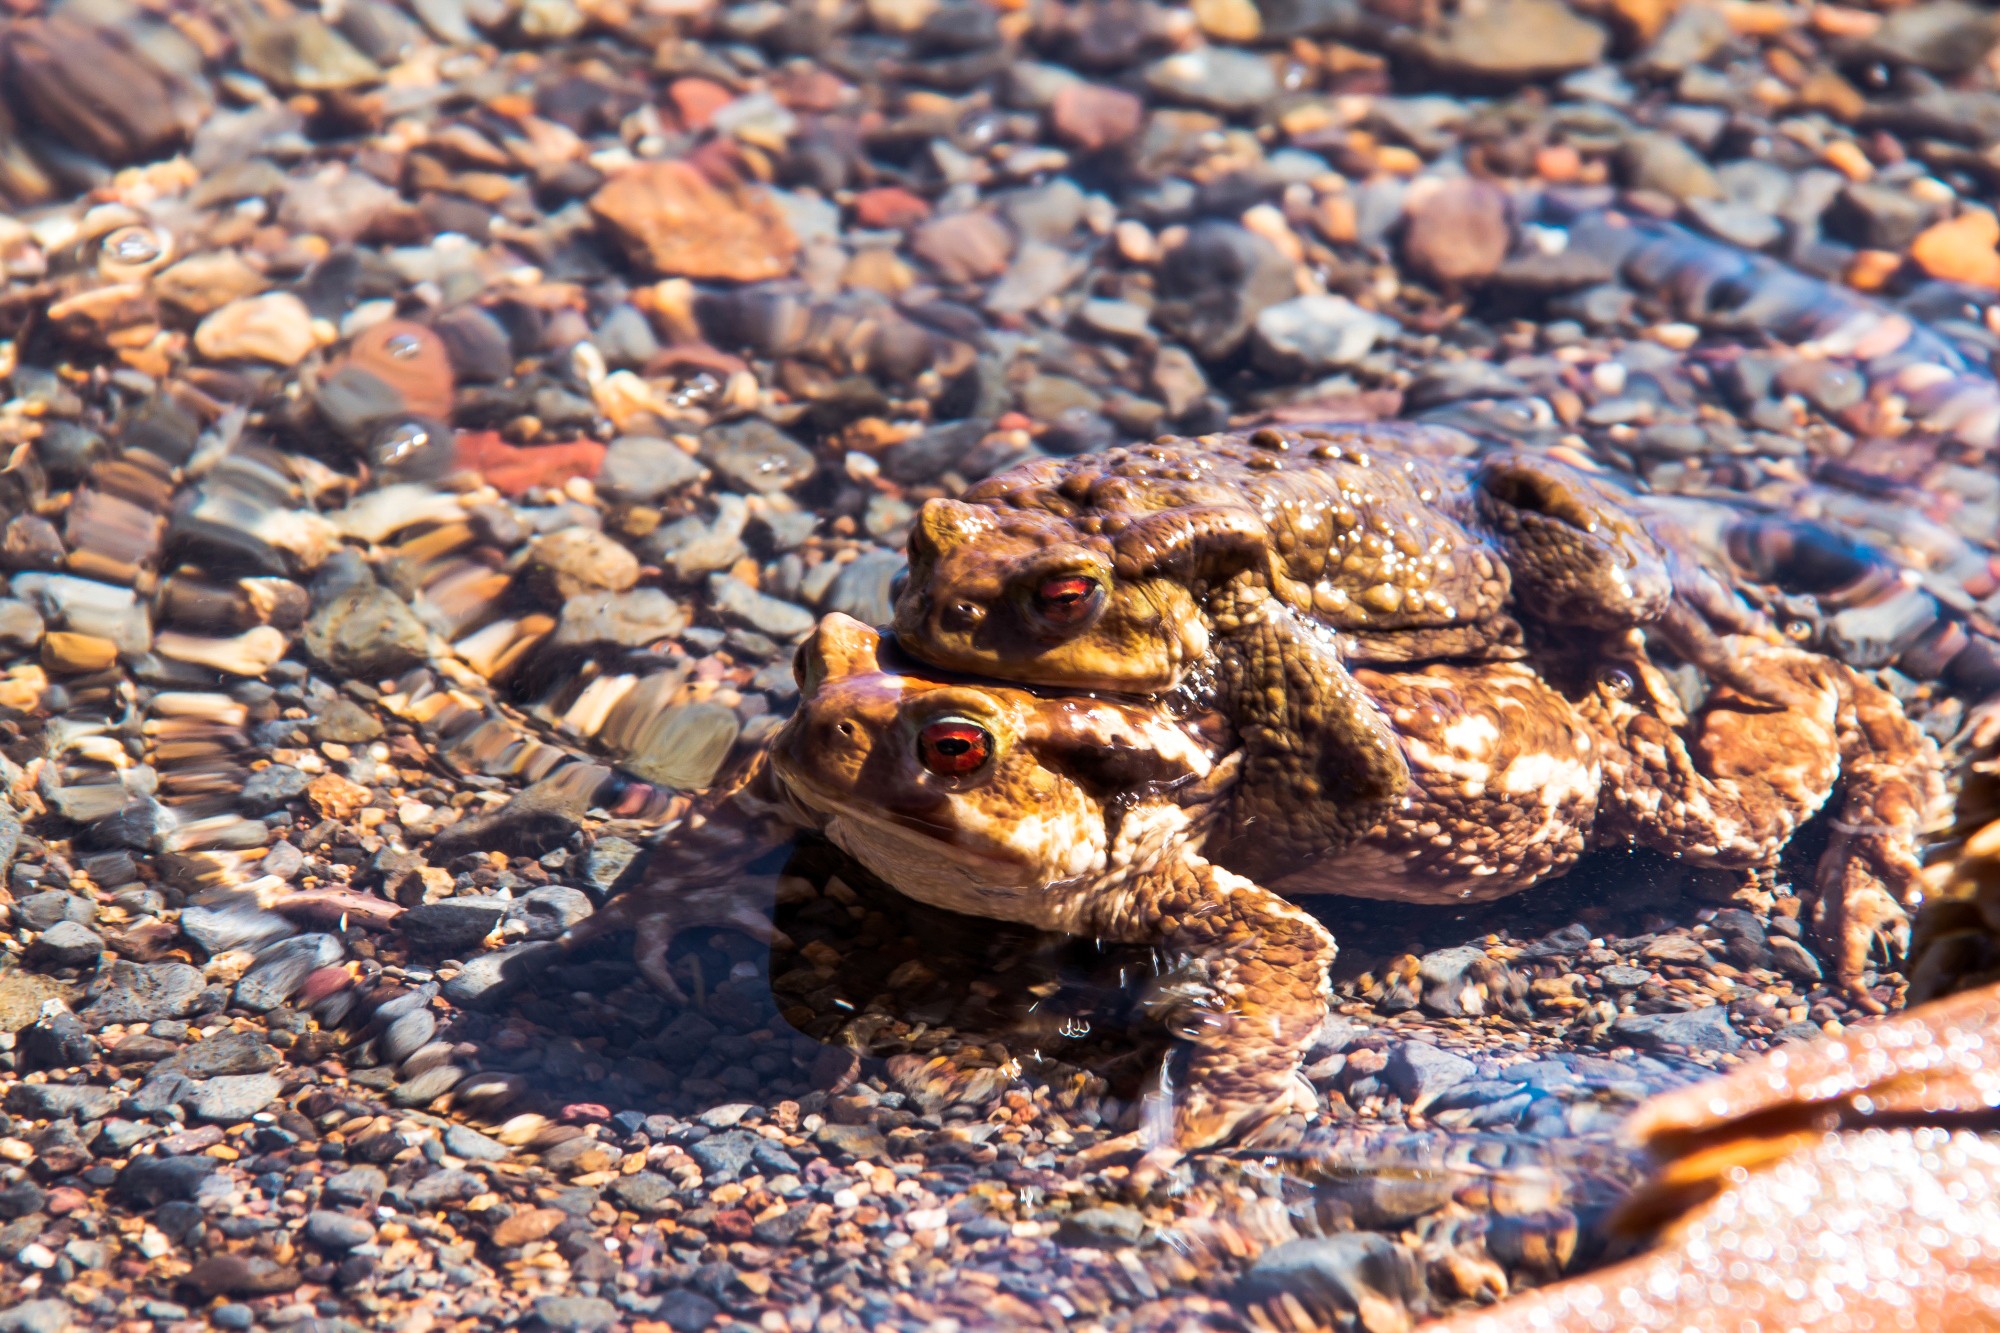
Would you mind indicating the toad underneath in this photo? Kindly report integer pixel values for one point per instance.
(1093, 817)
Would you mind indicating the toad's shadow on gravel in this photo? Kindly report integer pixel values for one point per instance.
(959, 1012)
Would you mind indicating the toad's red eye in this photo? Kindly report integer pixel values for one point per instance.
(1066, 599)
(954, 747)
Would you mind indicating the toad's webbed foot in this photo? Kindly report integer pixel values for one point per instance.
(1262, 964)
(698, 877)
(1871, 872)
(657, 911)
(1730, 786)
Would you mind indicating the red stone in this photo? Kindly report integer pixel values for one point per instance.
(1091, 117)
(514, 470)
(584, 1111)
(697, 100)
(411, 359)
(64, 1200)
(889, 207)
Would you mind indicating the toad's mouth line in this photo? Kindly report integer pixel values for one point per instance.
(947, 840)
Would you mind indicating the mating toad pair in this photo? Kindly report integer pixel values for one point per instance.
(1155, 694)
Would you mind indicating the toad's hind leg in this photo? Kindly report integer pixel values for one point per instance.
(1893, 792)
(1321, 763)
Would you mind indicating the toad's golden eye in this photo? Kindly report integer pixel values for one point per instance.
(1067, 599)
(1798, 629)
(1617, 682)
(953, 747)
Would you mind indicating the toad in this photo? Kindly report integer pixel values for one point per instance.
(1095, 816)
(1260, 570)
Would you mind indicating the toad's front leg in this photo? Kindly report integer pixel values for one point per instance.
(1262, 964)
(1321, 762)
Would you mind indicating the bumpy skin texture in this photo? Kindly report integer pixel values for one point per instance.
(1090, 817)
(1729, 785)
(1257, 572)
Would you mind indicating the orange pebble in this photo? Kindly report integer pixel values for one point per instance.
(1870, 270)
(1846, 157)
(1961, 249)
(1558, 163)
(1754, 18)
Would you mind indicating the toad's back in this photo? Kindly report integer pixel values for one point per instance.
(1367, 527)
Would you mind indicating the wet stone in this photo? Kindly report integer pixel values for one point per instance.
(346, 723)
(437, 1189)
(1706, 1029)
(240, 1275)
(126, 992)
(281, 969)
(337, 1231)
(644, 1193)
(232, 1098)
(1419, 1072)
(575, 1314)
(41, 911)
(1513, 41)
(464, 1141)
(673, 221)
(1214, 78)
(65, 945)
(756, 456)
(357, 1187)
(271, 788)
(60, 1101)
(642, 468)
(229, 1053)
(1456, 233)
(1311, 335)
(1215, 285)
(365, 632)
(42, 1316)
(1339, 1277)
(151, 1181)
(452, 924)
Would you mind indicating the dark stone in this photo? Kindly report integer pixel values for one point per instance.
(41, 911)
(575, 1314)
(229, 1053)
(1338, 1277)
(56, 1042)
(439, 1188)
(451, 924)
(337, 1231)
(492, 976)
(127, 992)
(271, 789)
(359, 1186)
(62, 1101)
(644, 1192)
(1418, 1072)
(152, 1181)
(723, 1156)
(66, 945)
(1213, 287)
(1705, 1029)
(687, 1311)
